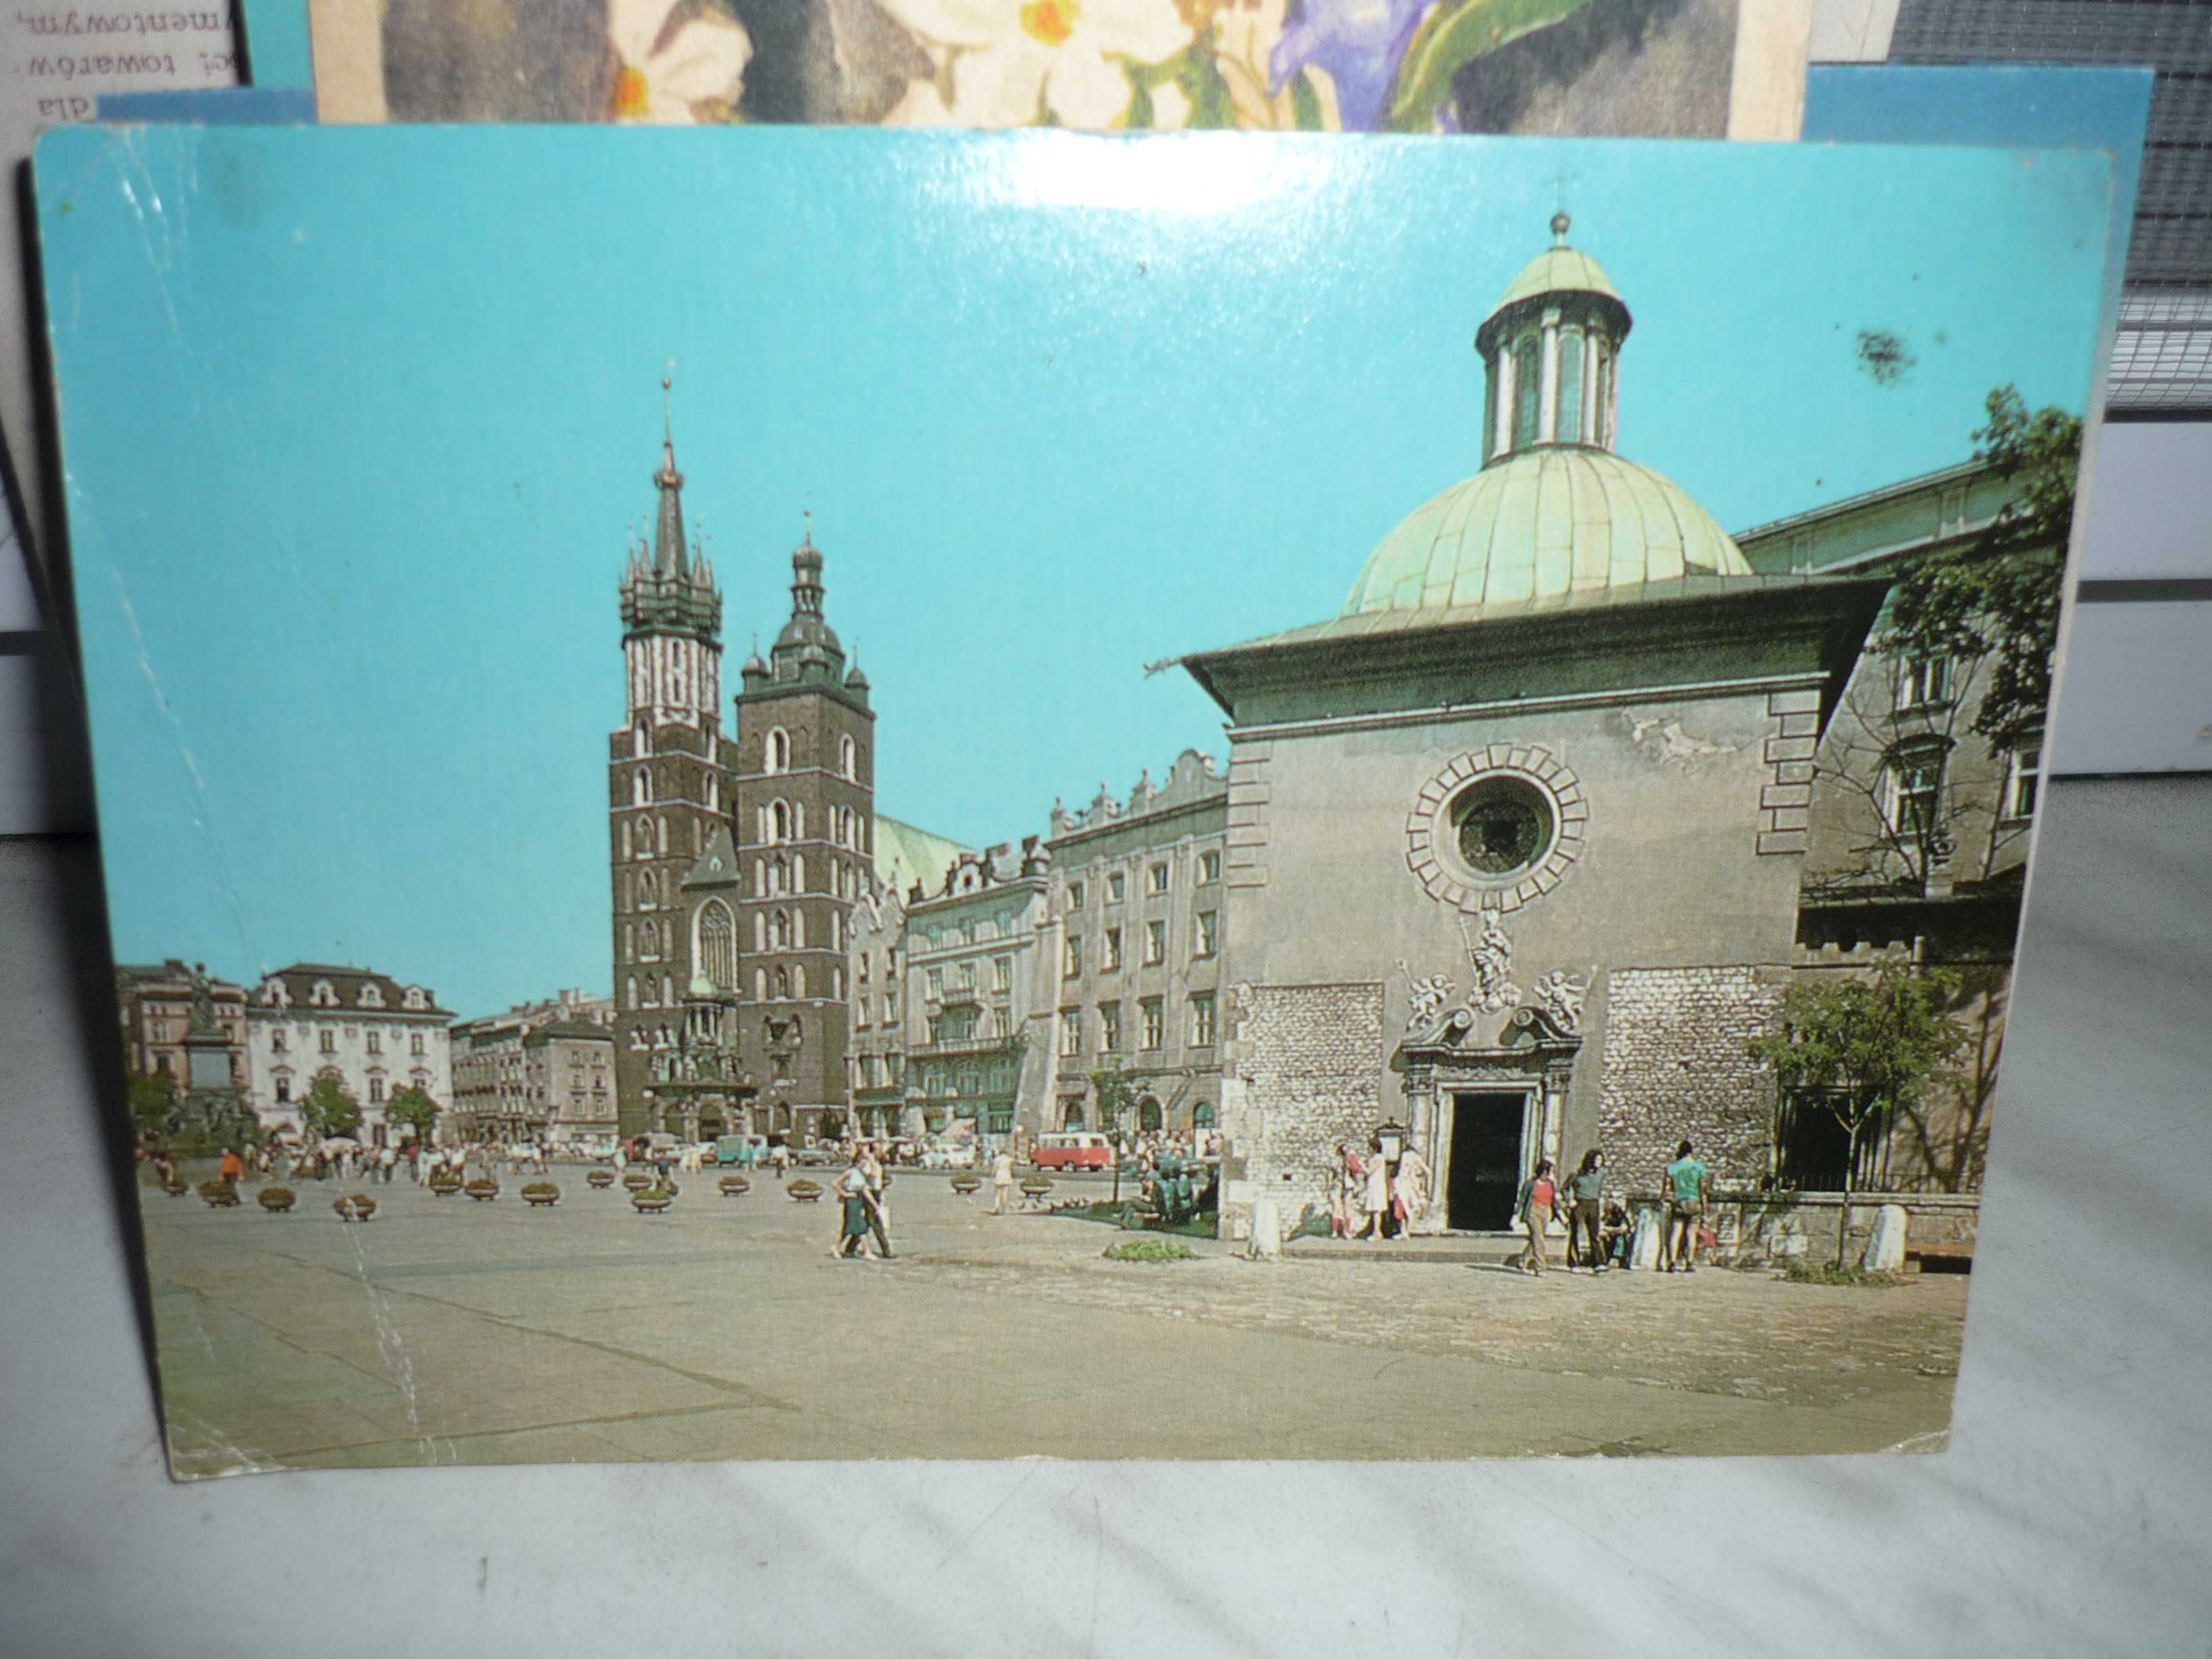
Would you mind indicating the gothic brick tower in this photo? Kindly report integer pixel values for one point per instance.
(669, 782)
(805, 835)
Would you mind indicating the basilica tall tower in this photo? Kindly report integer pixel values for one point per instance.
(805, 835)
(670, 775)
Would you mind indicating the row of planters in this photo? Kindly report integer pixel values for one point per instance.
(647, 1195)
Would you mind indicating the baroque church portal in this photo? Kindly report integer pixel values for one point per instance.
(1515, 839)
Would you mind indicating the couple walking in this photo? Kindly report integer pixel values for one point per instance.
(860, 1188)
(1582, 1201)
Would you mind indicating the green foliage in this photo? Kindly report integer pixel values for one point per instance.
(413, 1108)
(327, 1109)
(1116, 1099)
(1827, 1273)
(1997, 596)
(152, 1100)
(1149, 1249)
(1451, 36)
(1869, 1049)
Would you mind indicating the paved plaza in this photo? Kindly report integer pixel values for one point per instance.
(448, 1331)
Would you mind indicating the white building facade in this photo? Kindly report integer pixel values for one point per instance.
(373, 1033)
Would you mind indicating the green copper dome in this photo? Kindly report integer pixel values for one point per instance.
(1542, 524)
(1560, 270)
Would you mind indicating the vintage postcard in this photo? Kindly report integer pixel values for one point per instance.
(603, 652)
(1654, 67)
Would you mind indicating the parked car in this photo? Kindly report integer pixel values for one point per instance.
(1072, 1151)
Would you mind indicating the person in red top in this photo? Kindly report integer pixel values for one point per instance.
(1537, 1196)
(232, 1169)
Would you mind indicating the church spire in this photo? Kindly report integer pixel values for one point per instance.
(807, 646)
(669, 556)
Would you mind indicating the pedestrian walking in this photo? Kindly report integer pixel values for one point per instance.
(232, 1169)
(852, 1187)
(1537, 1197)
(1586, 1217)
(387, 1162)
(878, 1180)
(1339, 1191)
(1689, 1185)
(1002, 1179)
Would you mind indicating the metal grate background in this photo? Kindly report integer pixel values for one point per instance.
(2162, 359)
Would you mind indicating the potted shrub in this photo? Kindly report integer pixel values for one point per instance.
(483, 1190)
(354, 1206)
(175, 1187)
(541, 1192)
(276, 1199)
(735, 1186)
(601, 1177)
(444, 1183)
(803, 1191)
(966, 1184)
(651, 1201)
(219, 1195)
(637, 1180)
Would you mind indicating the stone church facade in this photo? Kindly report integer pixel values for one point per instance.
(1524, 845)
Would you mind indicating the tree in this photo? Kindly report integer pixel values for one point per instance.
(1115, 1098)
(1868, 1048)
(413, 1108)
(327, 1109)
(152, 1100)
(1998, 595)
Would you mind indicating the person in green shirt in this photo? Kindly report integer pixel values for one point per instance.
(1689, 1186)
(1586, 1197)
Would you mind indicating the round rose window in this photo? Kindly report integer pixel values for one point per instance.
(1502, 826)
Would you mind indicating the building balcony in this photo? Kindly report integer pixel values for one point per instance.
(968, 1045)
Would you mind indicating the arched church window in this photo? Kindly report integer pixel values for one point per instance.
(1527, 387)
(780, 821)
(783, 982)
(667, 938)
(798, 931)
(718, 946)
(797, 990)
(641, 789)
(760, 984)
(667, 992)
(663, 836)
(1570, 429)
(760, 878)
(627, 848)
(629, 941)
(646, 889)
(630, 988)
(779, 930)
(1602, 399)
(714, 793)
(799, 873)
(779, 750)
(799, 821)
(848, 758)
(760, 930)
(837, 984)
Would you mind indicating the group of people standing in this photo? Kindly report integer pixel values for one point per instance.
(1373, 1196)
(1600, 1231)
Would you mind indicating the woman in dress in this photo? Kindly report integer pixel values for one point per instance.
(1375, 1202)
(1411, 1188)
(1339, 1193)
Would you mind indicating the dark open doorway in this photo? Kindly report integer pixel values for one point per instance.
(1486, 1161)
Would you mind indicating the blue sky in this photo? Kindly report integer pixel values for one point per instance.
(357, 423)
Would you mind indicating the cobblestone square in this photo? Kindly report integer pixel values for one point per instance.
(447, 1331)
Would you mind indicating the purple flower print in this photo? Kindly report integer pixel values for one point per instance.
(1358, 43)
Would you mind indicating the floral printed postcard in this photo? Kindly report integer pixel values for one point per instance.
(1682, 68)
(863, 793)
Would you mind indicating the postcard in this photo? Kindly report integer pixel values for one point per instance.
(863, 793)
(1654, 67)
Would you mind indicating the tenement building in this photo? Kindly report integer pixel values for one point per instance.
(1138, 894)
(367, 1032)
(542, 1071)
(1524, 844)
(155, 1002)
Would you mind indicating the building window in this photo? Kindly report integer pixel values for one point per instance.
(1109, 1026)
(1208, 933)
(1002, 973)
(1528, 389)
(891, 1004)
(1109, 953)
(778, 820)
(1501, 826)
(1569, 428)
(1924, 682)
(375, 1042)
(1071, 1031)
(779, 750)
(415, 1044)
(1156, 878)
(1913, 795)
(1075, 896)
(327, 1042)
(275, 1043)
(1209, 867)
(937, 985)
(1154, 1023)
(848, 758)
(1116, 886)
(376, 1091)
(631, 986)
(935, 1025)
(2023, 775)
(718, 946)
(1073, 964)
(641, 789)
(1201, 1020)
(1156, 943)
(283, 1091)
(966, 976)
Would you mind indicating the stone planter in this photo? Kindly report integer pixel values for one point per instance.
(967, 1185)
(354, 1206)
(219, 1195)
(175, 1187)
(637, 1180)
(734, 1186)
(601, 1178)
(651, 1201)
(1034, 1190)
(483, 1190)
(541, 1194)
(276, 1199)
(445, 1188)
(803, 1191)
